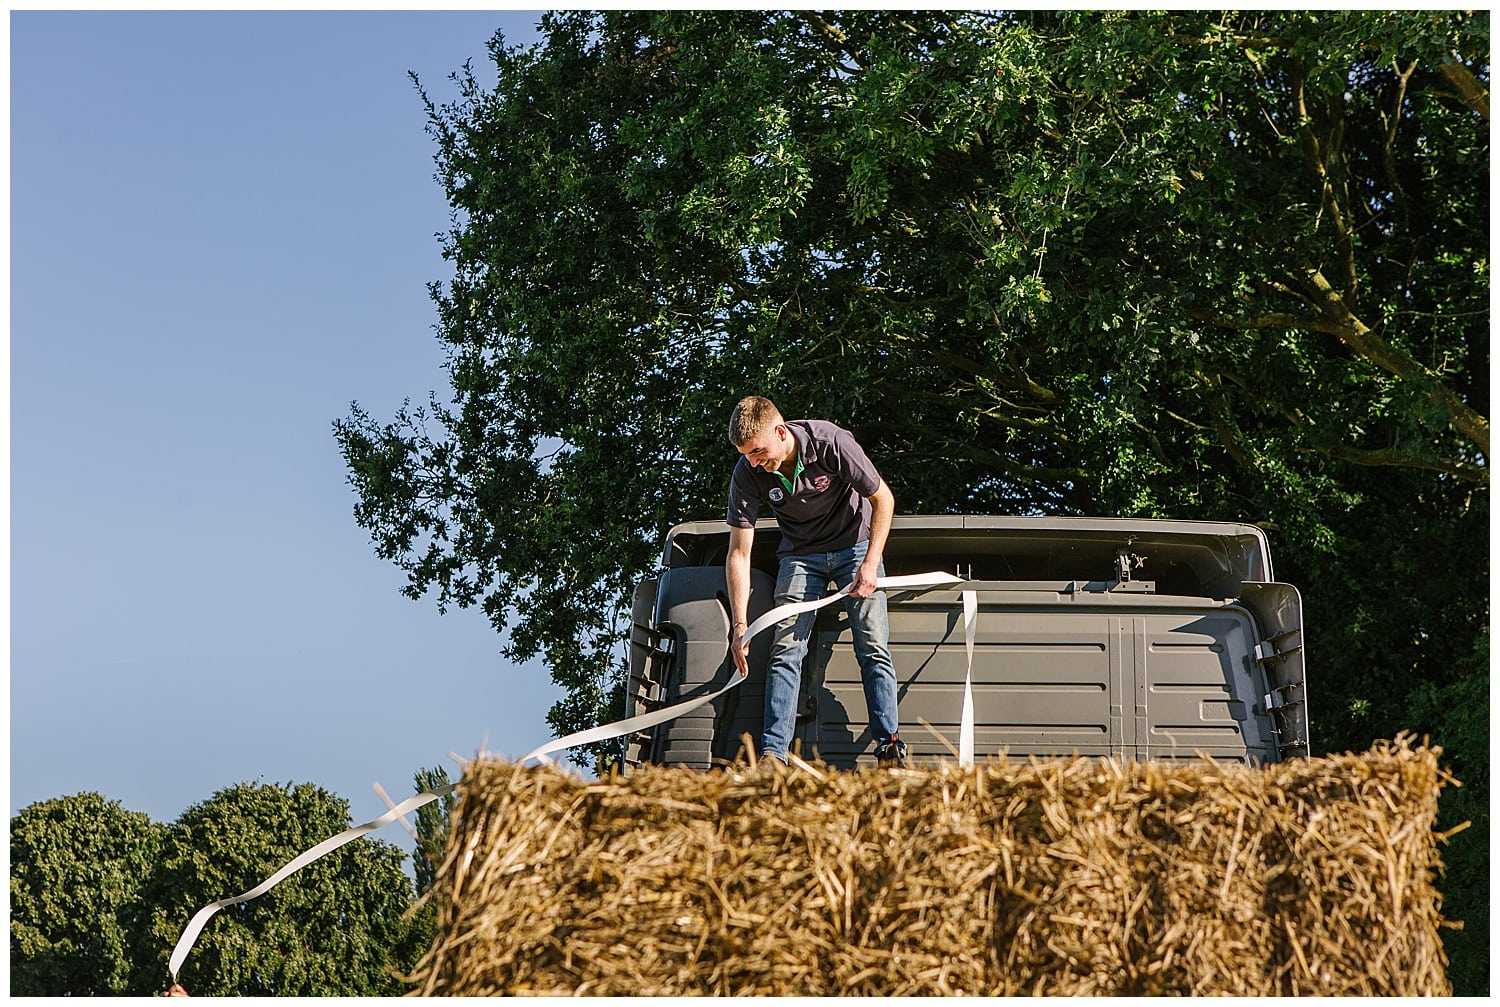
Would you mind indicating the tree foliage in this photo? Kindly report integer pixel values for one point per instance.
(1462, 707)
(100, 895)
(1187, 264)
(427, 858)
(334, 928)
(78, 866)
(1196, 264)
(432, 827)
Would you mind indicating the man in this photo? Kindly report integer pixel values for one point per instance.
(834, 511)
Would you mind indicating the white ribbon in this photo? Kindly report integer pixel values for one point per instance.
(185, 942)
(966, 723)
(601, 733)
(771, 618)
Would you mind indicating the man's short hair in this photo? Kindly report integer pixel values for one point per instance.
(752, 414)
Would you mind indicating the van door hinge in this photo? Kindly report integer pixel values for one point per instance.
(1268, 650)
(1280, 697)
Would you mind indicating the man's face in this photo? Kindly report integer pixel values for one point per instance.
(769, 449)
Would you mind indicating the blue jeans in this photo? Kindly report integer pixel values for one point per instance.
(804, 578)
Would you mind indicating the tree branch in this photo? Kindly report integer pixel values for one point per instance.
(1470, 91)
(1224, 425)
(1360, 338)
(1270, 320)
(1392, 123)
(1335, 319)
(1318, 157)
(1011, 467)
(1400, 459)
(1021, 382)
(836, 36)
(1011, 421)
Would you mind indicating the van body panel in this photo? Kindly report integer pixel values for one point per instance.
(1095, 637)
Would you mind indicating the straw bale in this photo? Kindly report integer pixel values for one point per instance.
(1082, 877)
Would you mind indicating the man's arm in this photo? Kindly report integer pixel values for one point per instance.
(737, 574)
(882, 508)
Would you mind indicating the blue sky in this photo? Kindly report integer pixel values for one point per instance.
(222, 228)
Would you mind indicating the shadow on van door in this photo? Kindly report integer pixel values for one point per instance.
(838, 731)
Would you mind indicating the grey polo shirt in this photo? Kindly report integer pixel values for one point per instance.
(828, 508)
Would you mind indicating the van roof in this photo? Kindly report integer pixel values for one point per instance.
(1239, 551)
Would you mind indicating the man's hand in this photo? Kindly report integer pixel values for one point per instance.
(739, 648)
(863, 584)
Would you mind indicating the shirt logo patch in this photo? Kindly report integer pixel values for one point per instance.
(820, 484)
(777, 494)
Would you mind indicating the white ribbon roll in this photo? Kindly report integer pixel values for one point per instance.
(601, 733)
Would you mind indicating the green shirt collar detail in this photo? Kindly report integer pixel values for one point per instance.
(791, 484)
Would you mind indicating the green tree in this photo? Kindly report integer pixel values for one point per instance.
(334, 928)
(427, 859)
(432, 827)
(1197, 264)
(1192, 264)
(1462, 706)
(78, 866)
